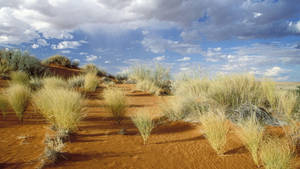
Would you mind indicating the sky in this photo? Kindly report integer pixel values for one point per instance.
(219, 36)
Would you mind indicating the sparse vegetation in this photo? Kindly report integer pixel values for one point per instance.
(61, 107)
(76, 81)
(90, 82)
(143, 121)
(55, 82)
(115, 102)
(3, 105)
(215, 127)
(276, 154)
(57, 60)
(18, 97)
(251, 134)
(19, 78)
(91, 68)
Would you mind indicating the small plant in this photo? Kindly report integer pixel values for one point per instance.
(35, 83)
(58, 60)
(144, 122)
(287, 103)
(148, 86)
(76, 81)
(215, 127)
(19, 78)
(18, 97)
(115, 100)
(276, 154)
(62, 107)
(54, 82)
(251, 134)
(90, 82)
(3, 105)
(91, 68)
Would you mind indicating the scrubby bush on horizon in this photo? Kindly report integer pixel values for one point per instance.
(92, 68)
(91, 82)
(62, 107)
(59, 60)
(18, 97)
(156, 81)
(276, 153)
(16, 60)
(215, 128)
(144, 122)
(116, 103)
(251, 134)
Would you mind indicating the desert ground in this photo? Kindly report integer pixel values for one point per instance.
(98, 143)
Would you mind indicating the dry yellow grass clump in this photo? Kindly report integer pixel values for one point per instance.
(90, 82)
(251, 134)
(144, 122)
(19, 78)
(276, 154)
(61, 107)
(3, 105)
(18, 96)
(215, 127)
(116, 103)
(55, 82)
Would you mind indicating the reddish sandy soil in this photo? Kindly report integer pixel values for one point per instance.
(98, 144)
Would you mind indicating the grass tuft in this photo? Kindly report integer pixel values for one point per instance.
(3, 105)
(90, 82)
(215, 127)
(76, 81)
(55, 82)
(276, 154)
(144, 122)
(116, 104)
(18, 97)
(19, 78)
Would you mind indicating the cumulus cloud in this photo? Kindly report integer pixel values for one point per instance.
(274, 71)
(159, 58)
(91, 58)
(184, 59)
(68, 45)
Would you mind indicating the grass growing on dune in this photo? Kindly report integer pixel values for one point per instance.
(3, 105)
(143, 121)
(61, 107)
(251, 134)
(19, 78)
(116, 103)
(215, 127)
(18, 97)
(76, 81)
(90, 82)
(276, 154)
(55, 82)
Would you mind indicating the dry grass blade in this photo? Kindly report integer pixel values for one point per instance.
(90, 82)
(19, 78)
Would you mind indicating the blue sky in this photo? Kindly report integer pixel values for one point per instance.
(219, 36)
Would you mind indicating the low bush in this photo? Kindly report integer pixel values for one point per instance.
(276, 154)
(76, 81)
(19, 78)
(35, 83)
(3, 105)
(57, 60)
(116, 104)
(251, 134)
(91, 68)
(91, 82)
(18, 97)
(215, 127)
(55, 82)
(144, 122)
(62, 107)
(148, 86)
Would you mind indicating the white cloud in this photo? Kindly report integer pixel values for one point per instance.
(83, 53)
(274, 71)
(159, 58)
(76, 60)
(184, 59)
(65, 51)
(91, 58)
(257, 14)
(107, 61)
(68, 45)
(34, 46)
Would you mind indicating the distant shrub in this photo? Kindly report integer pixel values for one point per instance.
(276, 154)
(35, 83)
(287, 103)
(62, 107)
(116, 104)
(58, 60)
(192, 87)
(251, 134)
(76, 81)
(19, 78)
(144, 122)
(3, 105)
(75, 64)
(18, 97)
(90, 82)
(121, 78)
(215, 127)
(156, 81)
(15, 60)
(91, 68)
(55, 82)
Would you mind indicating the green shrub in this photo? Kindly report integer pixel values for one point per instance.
(3, 105)
(215, 127)
(276, 154)
(15, 60)
(116, 104)
(251, 134)
(75, 64)
(58, 60)
(62, 107)
(90, 82)
(144, 122)
(19, 78)
(55, 82)
(18, 97)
